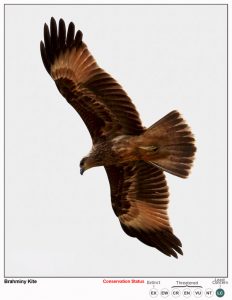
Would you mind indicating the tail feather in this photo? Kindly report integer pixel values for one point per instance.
(169, 144)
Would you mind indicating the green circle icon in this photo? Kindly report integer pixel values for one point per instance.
(220, 293)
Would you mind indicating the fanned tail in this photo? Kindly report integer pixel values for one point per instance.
(169, 144)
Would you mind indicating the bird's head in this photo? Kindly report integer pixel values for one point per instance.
(93, 159)
(86, 163)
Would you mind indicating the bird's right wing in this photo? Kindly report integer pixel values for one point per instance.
(139, 195)
(101, 102)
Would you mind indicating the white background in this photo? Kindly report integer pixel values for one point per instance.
(59, 223)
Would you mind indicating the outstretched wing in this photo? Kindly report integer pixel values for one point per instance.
(139, 196)
(96, 96)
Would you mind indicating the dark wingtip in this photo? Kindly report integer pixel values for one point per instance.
(52, 20)
(54, 36)
(48, 45)
(78, 38)
(62, 21)
(45, 59)
(174, 254)
(56, 40)
(180, 251)
(70, 34)
(46, 31)
(175, 251)
(62, 34)
(53, 27)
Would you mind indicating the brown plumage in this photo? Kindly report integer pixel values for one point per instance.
(134, 157)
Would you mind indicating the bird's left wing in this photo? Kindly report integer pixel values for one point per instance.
(139, 196)
(101, 102)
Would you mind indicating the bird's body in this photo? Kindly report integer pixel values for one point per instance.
(110, 152)
(134, 157)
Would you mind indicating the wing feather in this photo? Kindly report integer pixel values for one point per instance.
(139, 195)
(61, 35)
(88, 88)
(54, 35)
(70, 34)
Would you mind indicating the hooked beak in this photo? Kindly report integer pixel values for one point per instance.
(82, 170)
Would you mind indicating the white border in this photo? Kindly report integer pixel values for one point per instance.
(91, 288)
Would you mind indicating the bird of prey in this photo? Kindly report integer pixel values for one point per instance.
(133, 156)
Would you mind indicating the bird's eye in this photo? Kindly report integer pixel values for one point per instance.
(82, 162)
